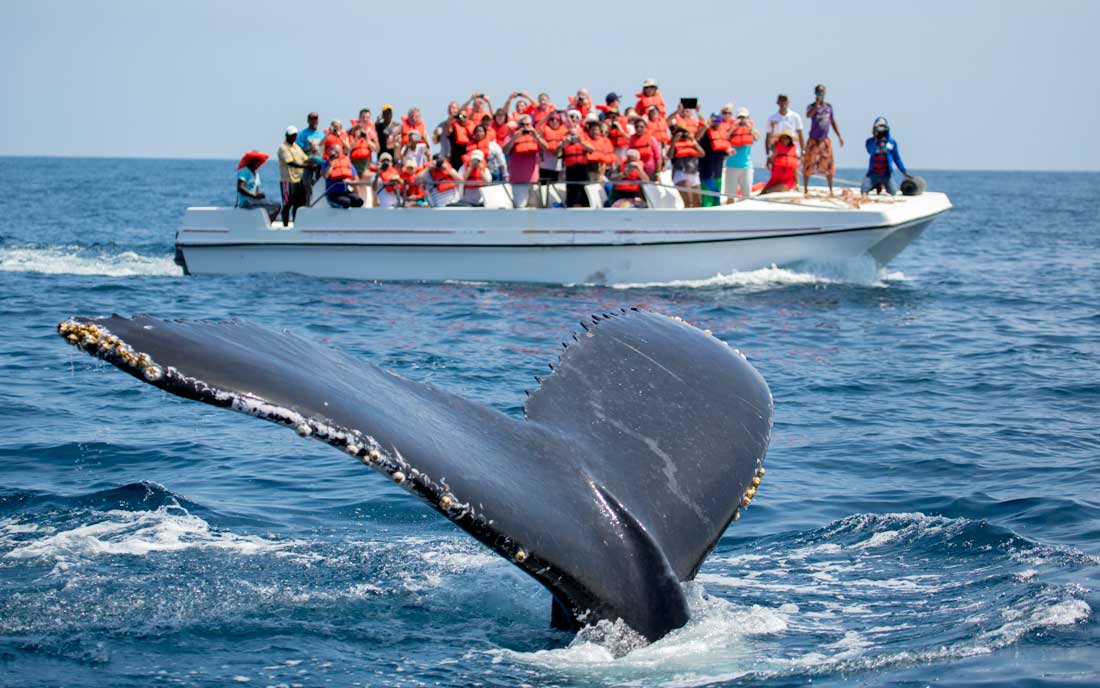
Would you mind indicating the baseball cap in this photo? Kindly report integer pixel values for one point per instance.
(612, 97)
(291, 130)
(649, 82)
(477, 155)
(742, 112)
(592, 117)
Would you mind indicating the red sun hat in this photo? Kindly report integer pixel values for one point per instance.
(251, 155)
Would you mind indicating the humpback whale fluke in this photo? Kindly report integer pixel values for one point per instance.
(637, 451)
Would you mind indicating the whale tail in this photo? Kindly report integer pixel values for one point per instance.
(634, 456)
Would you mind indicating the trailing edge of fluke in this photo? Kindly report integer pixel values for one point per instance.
(637, 451)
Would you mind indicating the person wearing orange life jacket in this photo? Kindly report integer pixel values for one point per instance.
(523, 150)
(442, 182)
(687, 118)
(364, 143)
(648, 147)
(338, 174)
(658, 127)
(495, 160)
(553, 132)
(336, 136)
(581, 102)
(629, 178)
(715, 142)
(387, 183)
(415, 194)
(574, 153)
(474, 175)
(455, 131)
(784, 164)
(542, 109)
(603, 153)
(649, 97)
(685, 153)
(738, 175)
(410, 123)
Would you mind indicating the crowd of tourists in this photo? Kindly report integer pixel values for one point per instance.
(530, 143)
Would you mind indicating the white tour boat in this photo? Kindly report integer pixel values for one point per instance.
(661, 243)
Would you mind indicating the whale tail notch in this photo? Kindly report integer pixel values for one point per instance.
(634, 456)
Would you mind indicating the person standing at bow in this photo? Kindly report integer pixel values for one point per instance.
(292, 162)
(738, 173)
(574, 153)
(523, 150)
(685, 154)
(783, 120)
(884, 153)
(817, 158)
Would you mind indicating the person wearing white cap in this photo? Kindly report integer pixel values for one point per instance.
(650, 96)
(475, 174)
(738, 172)
(292, 161)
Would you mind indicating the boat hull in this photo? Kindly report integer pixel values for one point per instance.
(549, 246)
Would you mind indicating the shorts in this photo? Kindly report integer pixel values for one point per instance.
(818, 158)
(691, 178)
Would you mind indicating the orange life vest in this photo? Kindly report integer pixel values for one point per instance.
(460, 133)
(785, 155)
(684, 148)
(482, 145)
(643, 143)
(619, 137)
(407, 129)
(554, 137)
(719, 139)
(741, 135)
(442, 178)
(660, 131)
(583, 109)
(574, 154)
(361, 150)
(391, 179)
(498, 131)
(603, 151)
(644, 101)
(339, 167)
(474, 176)
(525, 144)
(629, 175)
(329, 141)
(413, 191)
(692, 124)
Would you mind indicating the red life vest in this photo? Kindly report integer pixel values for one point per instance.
(644, 101)
(880, 162)
(361, 150)
(692, 124)
(719, 141)
(741, 135)
(474, 176)
(660, 131)
(442, 178)
(785, 156)
(643, 143)
(554, 137)
(329, 141)
(629, 175)
(525, 144)
(339, 167)
(583, 109)
(619, 137)
(407, 129)
(500, 132)
(391, 179)
(482, 145)
(603, 151)
(574, 154)
(460, 133)
(684, 148)
(413, 191)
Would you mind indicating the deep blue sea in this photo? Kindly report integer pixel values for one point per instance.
(930, 516)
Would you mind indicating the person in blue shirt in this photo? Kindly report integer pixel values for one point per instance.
(311, 132)
(249, 192)
(883, 150)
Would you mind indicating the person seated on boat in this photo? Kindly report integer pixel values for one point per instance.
(574, 154)
(474, 174)
(495, 159)
(553, 132)
(364, 143)
(783, 163)
(647, 147)
(292, 162)
(738, 173)
(442, 182)
(629, 178)
(523, 149)
(387, 183)
(685, 154)
(650, 97)
(415, 193)
(602, 155)
(714, 139)
(249, 191)
(884, 153)
(336, 136)
(338, 174)
(415, 149)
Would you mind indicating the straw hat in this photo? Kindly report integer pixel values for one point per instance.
(786, 132)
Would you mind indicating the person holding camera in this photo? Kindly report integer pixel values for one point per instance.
(648, 147)
(442, 182)
(388, 131)
(738, 174)
(685, 153)
(715, 142)
(458, 137)
(523, 150)
(574, 153)
(603, 153)
(884, 153)
(364, 143)
(338, 174)
(387, 182)
(554, 133)
(649, 97)
(474, 175)
(629, 178)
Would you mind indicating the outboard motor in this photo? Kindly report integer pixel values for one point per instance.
(913, 186)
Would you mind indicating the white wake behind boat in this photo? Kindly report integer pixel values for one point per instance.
(662, 243)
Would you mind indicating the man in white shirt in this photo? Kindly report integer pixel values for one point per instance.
(781, 121)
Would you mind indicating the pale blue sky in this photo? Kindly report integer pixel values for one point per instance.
(971, 85)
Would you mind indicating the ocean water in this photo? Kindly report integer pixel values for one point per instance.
(929, 517)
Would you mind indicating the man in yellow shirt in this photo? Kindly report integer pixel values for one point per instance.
(292, 162)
